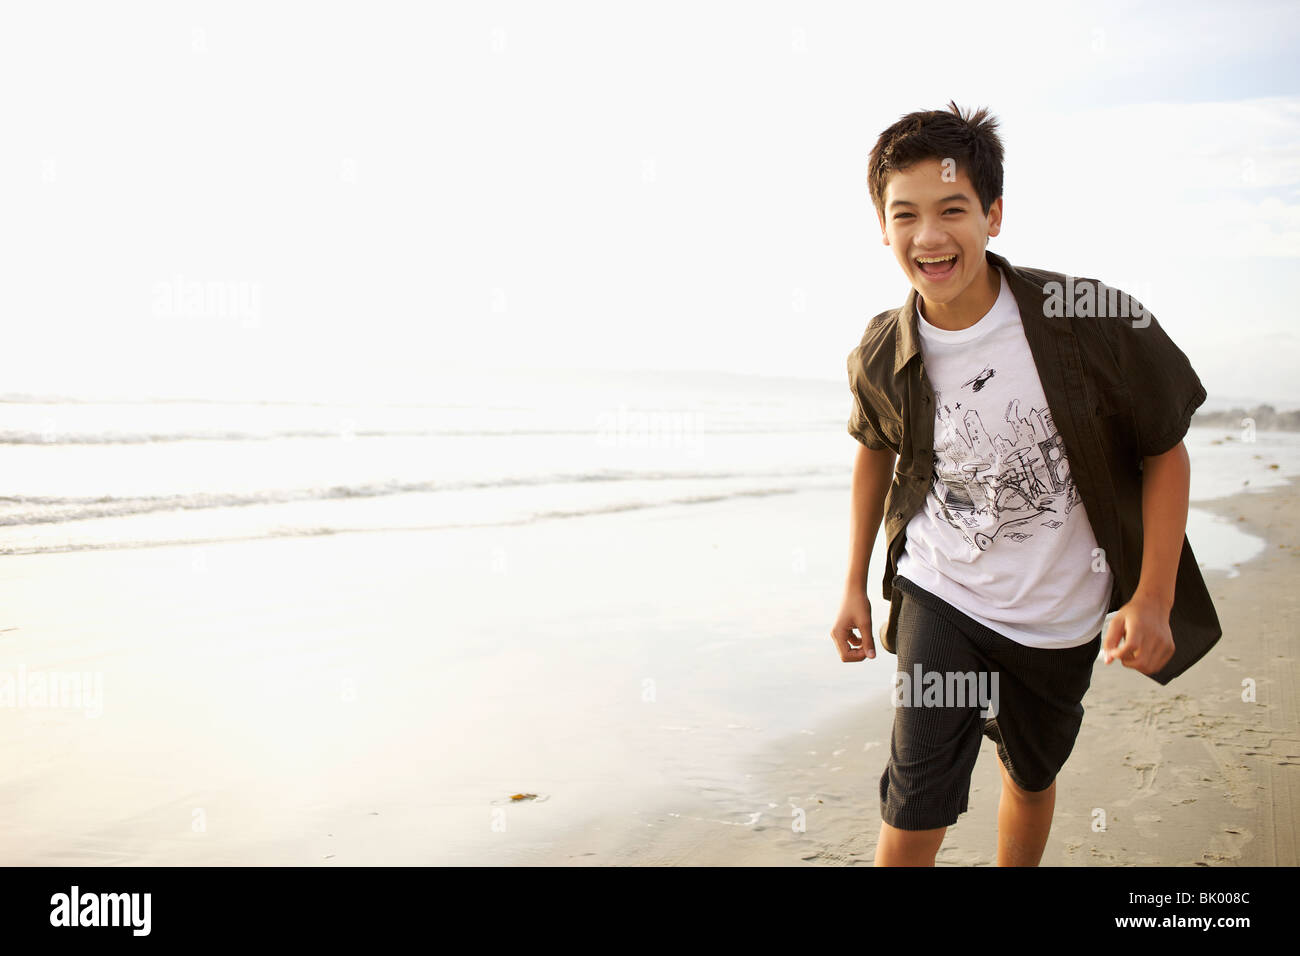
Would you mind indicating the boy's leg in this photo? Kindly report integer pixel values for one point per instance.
(934, 744)
(1039, 716)
(907, 847)
(1024, 821)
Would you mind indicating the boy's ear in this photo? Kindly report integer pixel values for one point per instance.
(995, 217)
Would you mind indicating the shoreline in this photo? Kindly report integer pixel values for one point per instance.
(1186, 774)
(660, 680)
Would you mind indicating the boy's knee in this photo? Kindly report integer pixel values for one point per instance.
(1020, 793)
(898, 847)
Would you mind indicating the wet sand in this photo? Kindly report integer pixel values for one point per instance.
(1183, 775)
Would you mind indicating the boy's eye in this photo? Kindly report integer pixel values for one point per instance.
(953, 209)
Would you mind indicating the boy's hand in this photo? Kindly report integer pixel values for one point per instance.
(854, 612)
(1139, 636)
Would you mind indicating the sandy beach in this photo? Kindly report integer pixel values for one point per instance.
(377, 698)
(656, 682)
(1183, 775)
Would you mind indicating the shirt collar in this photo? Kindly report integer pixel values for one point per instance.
(908, 339)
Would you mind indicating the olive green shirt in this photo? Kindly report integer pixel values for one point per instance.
(1119, 390)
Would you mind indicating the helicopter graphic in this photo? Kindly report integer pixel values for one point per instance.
(978, 381)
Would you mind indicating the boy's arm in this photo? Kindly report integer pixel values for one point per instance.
(1166, 486)
(1143, 622)
(873, 470)
(1166, 392)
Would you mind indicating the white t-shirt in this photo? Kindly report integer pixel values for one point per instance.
(1003, 535)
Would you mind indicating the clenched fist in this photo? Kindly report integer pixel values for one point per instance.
(855, 612)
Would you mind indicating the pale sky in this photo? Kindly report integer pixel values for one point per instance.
(208, 197)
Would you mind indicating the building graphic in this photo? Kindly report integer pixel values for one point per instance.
(1002, 480)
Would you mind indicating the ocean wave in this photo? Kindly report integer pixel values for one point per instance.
(161, 437)
(146, 438)
(318, 531)
(21, 510)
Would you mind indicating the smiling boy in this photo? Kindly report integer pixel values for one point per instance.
(1041, 483)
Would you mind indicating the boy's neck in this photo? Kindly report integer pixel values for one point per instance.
(968, 308)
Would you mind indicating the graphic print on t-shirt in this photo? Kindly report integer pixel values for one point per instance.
(1002, 533)
(998, 481)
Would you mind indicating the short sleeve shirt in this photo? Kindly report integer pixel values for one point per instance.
(1118, 390)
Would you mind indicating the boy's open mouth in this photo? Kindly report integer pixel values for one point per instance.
(938, 267)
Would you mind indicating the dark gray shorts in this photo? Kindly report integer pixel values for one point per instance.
(933, 748)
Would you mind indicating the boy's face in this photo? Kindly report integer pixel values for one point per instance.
(932, 213)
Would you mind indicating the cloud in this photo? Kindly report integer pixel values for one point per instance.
(1170, 178)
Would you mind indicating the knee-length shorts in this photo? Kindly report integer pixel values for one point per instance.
(1032, 711)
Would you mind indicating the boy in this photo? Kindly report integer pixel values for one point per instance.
(1037, 422)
